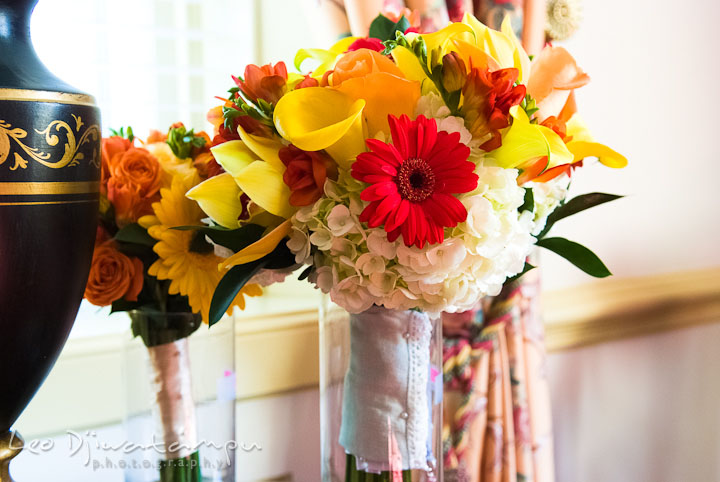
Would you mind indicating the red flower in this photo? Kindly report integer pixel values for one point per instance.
(307, 82)
(488, 99)
(306, 174)
(266, 82)
(367, 43)
(412, 181)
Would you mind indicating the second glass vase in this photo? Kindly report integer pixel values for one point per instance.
(180, 399)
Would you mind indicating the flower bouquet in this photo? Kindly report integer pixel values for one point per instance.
(161, 276)
(406, 174)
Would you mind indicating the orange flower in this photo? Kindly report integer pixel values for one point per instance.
(488, 97)
(134, 184)
(113, 276)
(306, 174)
(369, 75)
(156, 136)
(361, 63)
(111, 146)
(267, 82)
(554, 76)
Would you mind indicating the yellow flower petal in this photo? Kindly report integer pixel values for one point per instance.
(607, 156)
(559, 153)
(411, 68)
(233, 156)
(497, 44)
(259, 248)
(265, 148)
(325, 58)
(521, 142)
(520, 57)
(219, 197)
(265, 186)
(442, 38)
(317, 118)
(577, 128)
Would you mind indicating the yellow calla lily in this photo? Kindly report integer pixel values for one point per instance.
(219, 198)
(583, 145)
(265, 186)
(317, 118)
(260, 248)
(504, 49)
(326, 58)
(523, 142)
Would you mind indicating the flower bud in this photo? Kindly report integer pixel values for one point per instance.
(453, 72)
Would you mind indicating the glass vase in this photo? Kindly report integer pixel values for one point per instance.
(180, 399)
(380, 395)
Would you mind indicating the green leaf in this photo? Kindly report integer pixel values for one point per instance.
(123, 305)
(306, 272)
(529, 201)
(577, 254)
(233, 239)
(230, 285)
(136, 234)
(401, 25)
(382, 28)
(576, 205)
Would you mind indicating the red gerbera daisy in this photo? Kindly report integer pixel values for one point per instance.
(412, 181)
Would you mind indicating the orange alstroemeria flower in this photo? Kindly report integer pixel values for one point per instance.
(369, 75)
(488, 97)
(267, 82)
(554, 76)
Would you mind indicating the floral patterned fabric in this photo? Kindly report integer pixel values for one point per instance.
(497, 424)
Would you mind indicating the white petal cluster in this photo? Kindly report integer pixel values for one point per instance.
(547, 196)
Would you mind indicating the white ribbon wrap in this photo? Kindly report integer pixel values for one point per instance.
(386, 390)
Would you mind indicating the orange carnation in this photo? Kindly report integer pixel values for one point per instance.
(113, 276)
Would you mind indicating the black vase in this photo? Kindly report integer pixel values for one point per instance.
(49, 190)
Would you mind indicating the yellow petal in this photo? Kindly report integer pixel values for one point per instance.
(265, 148)
(325, 58)
(410, 66)
(219, 198)
(442, 39)
(520, 57)
(522, 142)
(233, 156)
(559, 153)
(317, 118)
(607, 156)
(577, 128)
(265, 186)
(259, 248)
(498, 45)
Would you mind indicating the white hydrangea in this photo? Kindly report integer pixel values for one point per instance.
(360, 268)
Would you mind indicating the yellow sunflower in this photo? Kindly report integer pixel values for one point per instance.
(185, 257)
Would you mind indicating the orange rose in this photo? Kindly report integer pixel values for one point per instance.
(369, 75)
(306, 174)
(361, 63)
(111, 146)
(113, 276)
(134, 184)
